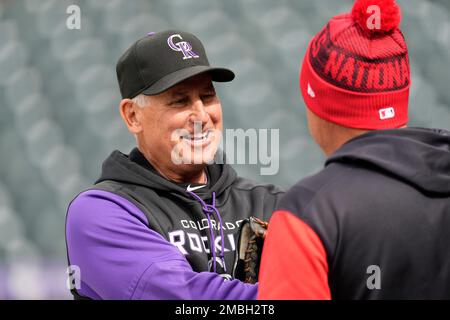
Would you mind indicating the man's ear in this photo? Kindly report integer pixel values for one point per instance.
(131, 115)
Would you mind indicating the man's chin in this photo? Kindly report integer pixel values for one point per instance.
(197, 156)
(199, 159)
(188, 169)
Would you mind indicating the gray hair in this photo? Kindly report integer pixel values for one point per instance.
(141, 100)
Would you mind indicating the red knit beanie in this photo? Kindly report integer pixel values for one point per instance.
(356, 70)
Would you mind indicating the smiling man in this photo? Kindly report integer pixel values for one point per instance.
(161, 222)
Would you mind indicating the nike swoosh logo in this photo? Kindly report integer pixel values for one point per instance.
(189, 188)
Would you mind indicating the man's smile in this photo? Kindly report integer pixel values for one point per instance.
(197, 140)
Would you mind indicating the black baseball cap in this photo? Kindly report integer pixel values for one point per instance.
(161, 60)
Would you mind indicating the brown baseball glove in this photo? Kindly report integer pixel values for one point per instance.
(248, 250)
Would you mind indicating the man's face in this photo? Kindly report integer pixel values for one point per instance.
(182, 124)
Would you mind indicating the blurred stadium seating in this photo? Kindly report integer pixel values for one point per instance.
(59, 101)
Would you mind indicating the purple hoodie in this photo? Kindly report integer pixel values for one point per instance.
(121, 258)
(137, 235)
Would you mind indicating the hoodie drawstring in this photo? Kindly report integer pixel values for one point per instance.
(208, 209)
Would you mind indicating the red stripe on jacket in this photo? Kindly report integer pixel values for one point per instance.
(294, 261)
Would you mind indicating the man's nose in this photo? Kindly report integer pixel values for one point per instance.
(199, 113)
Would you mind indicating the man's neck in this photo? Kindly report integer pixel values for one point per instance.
(198, 176)
(180, 174)
(339, 138)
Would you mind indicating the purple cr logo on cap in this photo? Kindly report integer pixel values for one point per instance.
(183, 46)
(150, 33)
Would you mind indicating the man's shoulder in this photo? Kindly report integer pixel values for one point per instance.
(260, 199)
(336, 188)
(96, 204)
(333, 181)
(249, 185)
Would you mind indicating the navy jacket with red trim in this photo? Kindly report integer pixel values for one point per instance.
(373, 224)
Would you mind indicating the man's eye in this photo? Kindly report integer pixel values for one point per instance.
(209, 96)
(182, 101)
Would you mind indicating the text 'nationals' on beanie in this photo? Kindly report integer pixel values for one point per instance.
(356, 70)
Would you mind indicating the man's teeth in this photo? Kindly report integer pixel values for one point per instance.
(197, 137)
